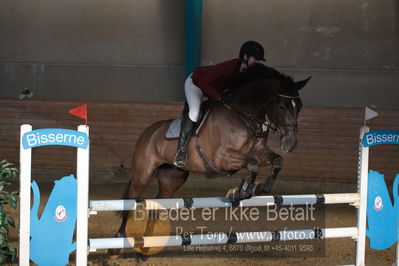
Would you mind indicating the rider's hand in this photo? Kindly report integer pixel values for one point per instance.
(226, 97)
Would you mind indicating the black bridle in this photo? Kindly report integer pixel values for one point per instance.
(260, 127)
(269, 124)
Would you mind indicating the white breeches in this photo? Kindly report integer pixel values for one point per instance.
(194, 98)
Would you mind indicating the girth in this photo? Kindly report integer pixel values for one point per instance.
(209, 165)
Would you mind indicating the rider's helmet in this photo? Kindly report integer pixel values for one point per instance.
(252, 48)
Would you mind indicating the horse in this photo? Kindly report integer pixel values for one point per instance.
(234, 137)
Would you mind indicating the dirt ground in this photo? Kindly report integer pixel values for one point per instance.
(105, 224)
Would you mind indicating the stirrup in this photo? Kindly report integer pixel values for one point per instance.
(180, 158)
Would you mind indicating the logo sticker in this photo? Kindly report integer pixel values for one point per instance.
(378, 204)
(60, 214)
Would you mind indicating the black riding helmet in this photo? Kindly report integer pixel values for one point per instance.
(252, 48)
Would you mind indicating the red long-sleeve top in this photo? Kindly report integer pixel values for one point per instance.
(212, 79)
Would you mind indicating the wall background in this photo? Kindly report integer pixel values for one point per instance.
(132, 50)
(325, 160)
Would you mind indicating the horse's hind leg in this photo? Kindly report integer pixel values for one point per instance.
(170, 179)
(141, 176)
(134, 191)
(266, 187)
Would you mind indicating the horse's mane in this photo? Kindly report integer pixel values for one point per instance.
(253, 73)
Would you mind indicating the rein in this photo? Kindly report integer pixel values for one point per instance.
(288, 96)
(250, 120)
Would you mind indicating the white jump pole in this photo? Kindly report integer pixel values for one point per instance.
(222, 238)
(82, 172)
(220, 202)
(25, 161)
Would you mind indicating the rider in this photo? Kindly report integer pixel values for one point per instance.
(210, 81)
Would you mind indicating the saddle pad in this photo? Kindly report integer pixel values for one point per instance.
(174, 127)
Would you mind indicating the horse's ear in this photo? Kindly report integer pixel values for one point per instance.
(300, 84)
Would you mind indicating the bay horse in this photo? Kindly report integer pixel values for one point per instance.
(234, 137)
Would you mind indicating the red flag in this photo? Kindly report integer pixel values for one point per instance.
(80, 111)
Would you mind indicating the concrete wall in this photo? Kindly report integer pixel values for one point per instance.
(92, 49)
(349, 47)
(133, 49)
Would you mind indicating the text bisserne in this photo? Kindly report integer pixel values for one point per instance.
(54, 136)
(381, 137)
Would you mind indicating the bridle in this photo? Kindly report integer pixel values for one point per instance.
(259, 128)
(269, 124)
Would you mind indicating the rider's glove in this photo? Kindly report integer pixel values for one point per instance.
(227, 96)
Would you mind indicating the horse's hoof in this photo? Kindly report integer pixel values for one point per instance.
(259, 189)
(141, 257)
(113, 252)
(233, 194)
(244, 196)
(116, 251)
(267, 188)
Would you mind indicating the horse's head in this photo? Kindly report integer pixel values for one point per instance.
(281, 112)
(274, 99)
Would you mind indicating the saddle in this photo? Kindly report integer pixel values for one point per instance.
(174, 128)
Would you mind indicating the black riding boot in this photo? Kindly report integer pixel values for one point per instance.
(186, 130)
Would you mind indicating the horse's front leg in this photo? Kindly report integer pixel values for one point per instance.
(245, 190)
(266, 187)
